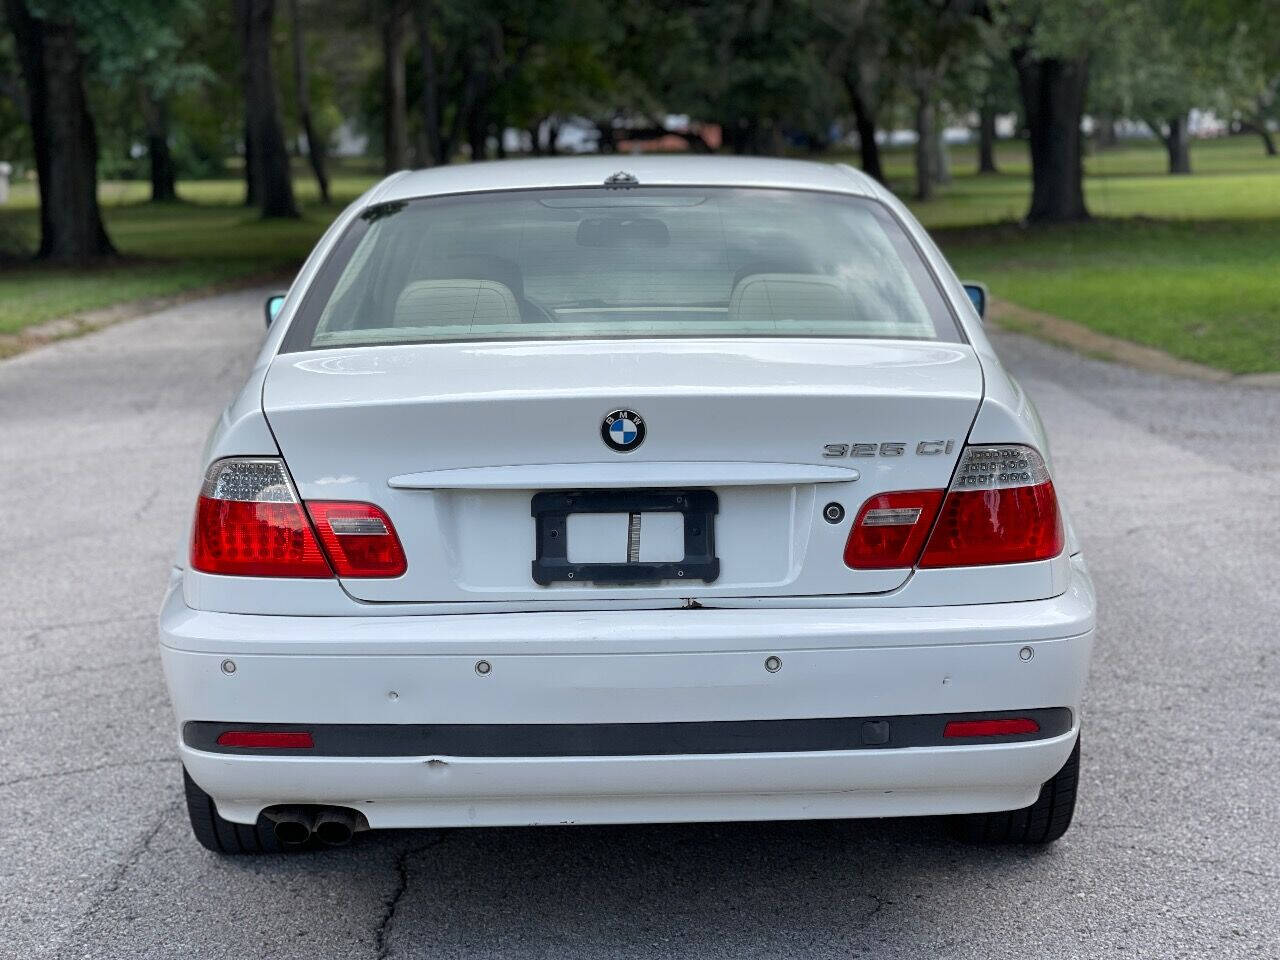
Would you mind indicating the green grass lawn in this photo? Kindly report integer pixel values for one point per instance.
(1207, 291)
(1190, 265)
(1233, 180)
(208, 239)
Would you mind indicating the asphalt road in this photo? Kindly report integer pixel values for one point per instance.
(1175, 851)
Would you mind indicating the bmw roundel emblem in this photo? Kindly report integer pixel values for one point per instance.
(623, 430)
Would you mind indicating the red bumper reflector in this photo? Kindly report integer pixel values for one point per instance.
(1003, 727)
(267, 739)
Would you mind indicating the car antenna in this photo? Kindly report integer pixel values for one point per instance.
(621, 180)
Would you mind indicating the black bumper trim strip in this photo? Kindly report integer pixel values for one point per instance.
(625, 739)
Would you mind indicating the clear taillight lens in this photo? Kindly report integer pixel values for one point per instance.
(249, 523)
(1001, 508)
(358, 538)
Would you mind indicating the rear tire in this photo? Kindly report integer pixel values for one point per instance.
(1043, 822)
(221, 835)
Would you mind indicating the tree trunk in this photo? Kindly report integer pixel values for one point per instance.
(1178, 144)
(1053, 92)
(1259, 126)
(867, 146)
(163, 178)
(395, 123)
(606, 139)
(464, 109)
(155, 116)
(941, 162)
(423, 15)
(252, 195)
(267, 155)
(315, 141)
(63, 135)
(987, 139)
(864, 119)
(478, 131)
(1107, 132)
(926, 148)
(474, 109)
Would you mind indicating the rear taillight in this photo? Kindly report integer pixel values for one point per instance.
(1000, 508)
(359, 539)
(890, 529)
(250, 523)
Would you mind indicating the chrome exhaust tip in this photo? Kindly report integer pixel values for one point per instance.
(335, 826)
(293, 826)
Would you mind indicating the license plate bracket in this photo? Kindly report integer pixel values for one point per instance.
(551, 512)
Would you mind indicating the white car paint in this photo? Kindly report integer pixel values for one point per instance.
(607, 667)
(404, 409)
(418, 429)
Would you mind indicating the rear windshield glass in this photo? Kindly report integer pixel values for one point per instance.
(592, 263)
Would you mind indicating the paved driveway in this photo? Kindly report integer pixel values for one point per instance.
(1176, 849)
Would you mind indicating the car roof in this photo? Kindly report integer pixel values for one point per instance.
(648, 170)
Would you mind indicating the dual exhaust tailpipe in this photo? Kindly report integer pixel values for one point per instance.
(332, 826)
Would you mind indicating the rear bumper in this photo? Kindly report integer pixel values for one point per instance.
(636, 667)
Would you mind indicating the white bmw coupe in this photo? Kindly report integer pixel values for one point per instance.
(620, 490)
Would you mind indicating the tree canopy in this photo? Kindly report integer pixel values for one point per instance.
(170, 89)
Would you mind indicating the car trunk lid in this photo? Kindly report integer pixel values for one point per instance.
(456, 440)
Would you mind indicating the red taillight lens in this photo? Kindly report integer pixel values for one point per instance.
(246, 539)
(890, 529)
(1001, 508)
(267, 739)
(249, 523)
(358, 538)
(1001, 727)
(978, 527)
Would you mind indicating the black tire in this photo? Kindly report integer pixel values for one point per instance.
(1043, 822)
(223, 836)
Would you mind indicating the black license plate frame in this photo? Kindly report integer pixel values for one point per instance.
(551, 511)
